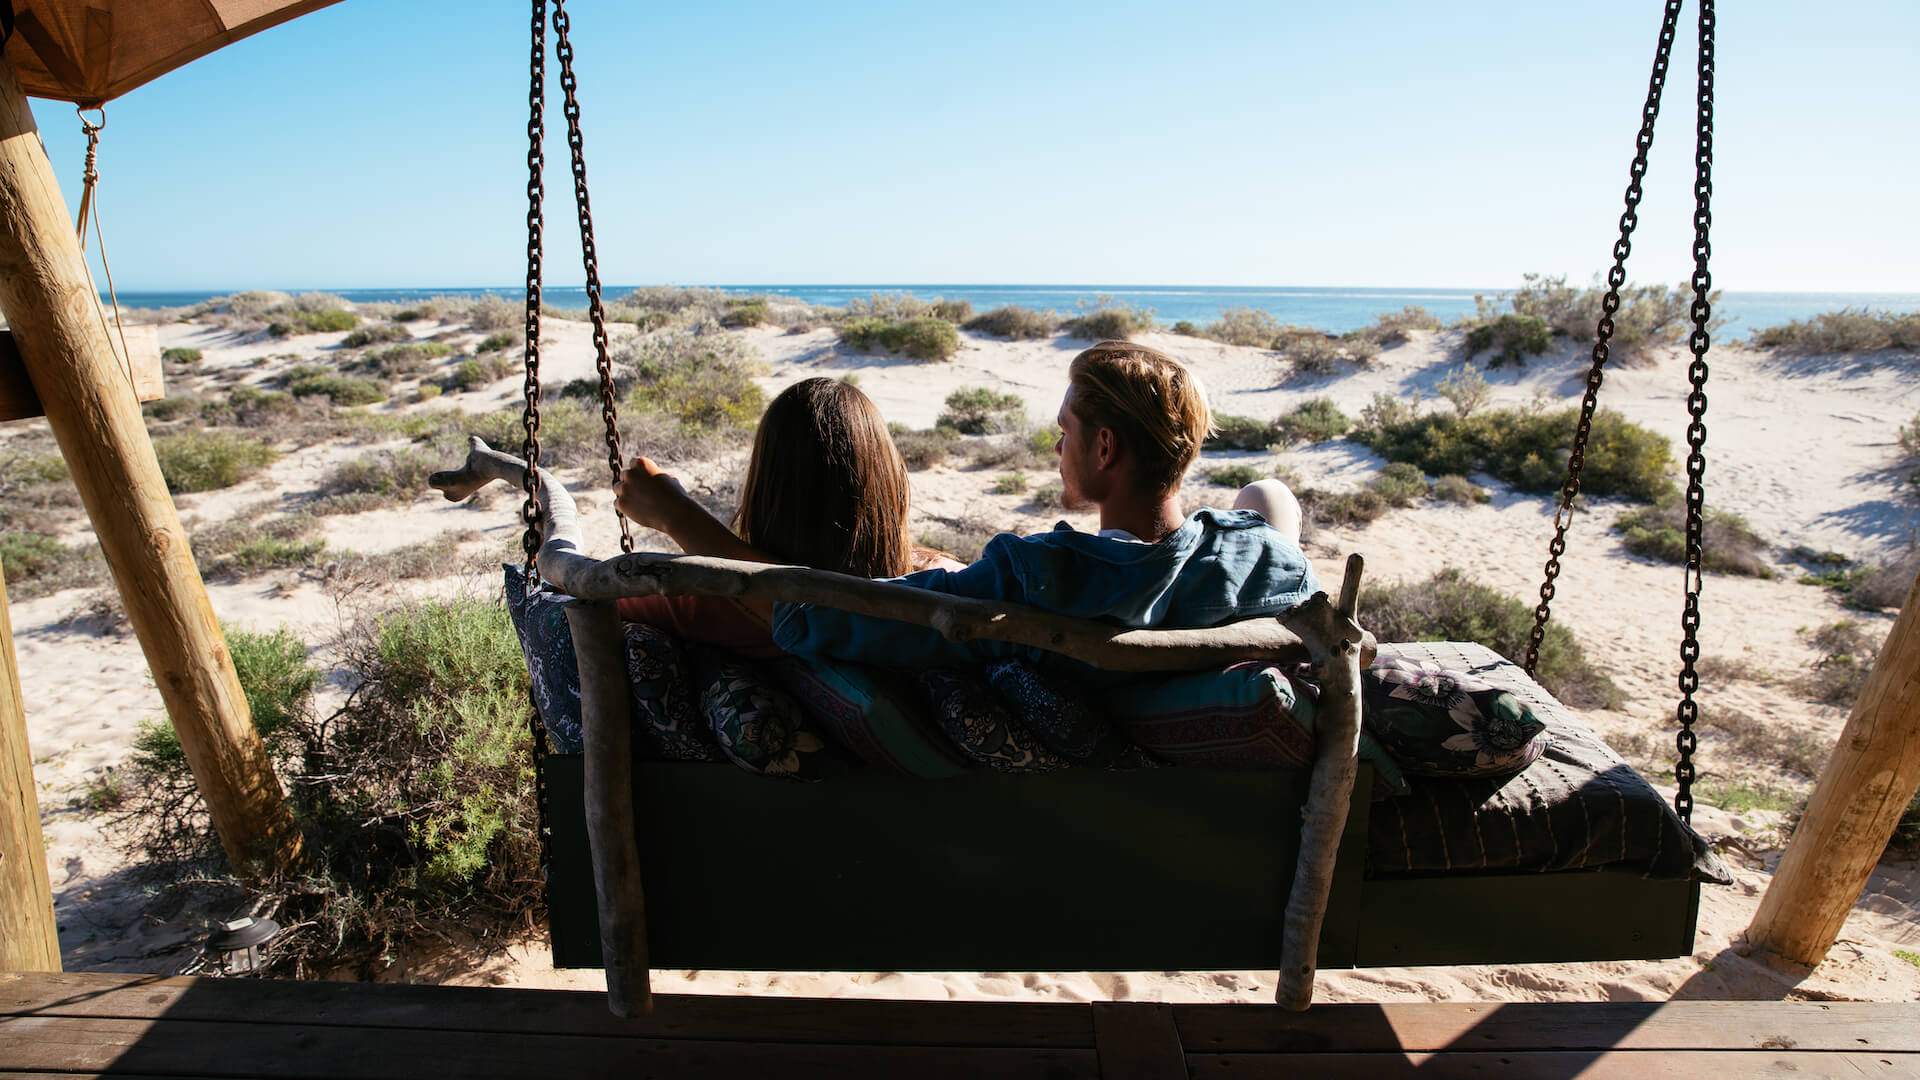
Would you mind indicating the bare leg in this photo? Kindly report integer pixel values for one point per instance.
(1272, 500)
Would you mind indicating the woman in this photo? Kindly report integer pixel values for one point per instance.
(825, 488)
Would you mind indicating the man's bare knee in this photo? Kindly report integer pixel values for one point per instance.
(1273, 500)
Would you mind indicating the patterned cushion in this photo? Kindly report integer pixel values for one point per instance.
(976, 722)
(540, 620)
(758, 725)
(668, 723)
(1448, 723)
(1251, 715)
(867, 712)
(1057, 714)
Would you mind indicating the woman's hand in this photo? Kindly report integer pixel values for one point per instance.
(649, 496)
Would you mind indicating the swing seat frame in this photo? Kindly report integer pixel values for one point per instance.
(1146, 870)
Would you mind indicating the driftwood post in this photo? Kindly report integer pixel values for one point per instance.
(1333, 636)
(1868, 782)
(55, 317)
(29, 938)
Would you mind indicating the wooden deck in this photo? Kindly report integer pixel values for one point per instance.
(151, 1026)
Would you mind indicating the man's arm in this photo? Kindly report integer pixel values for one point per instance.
(811, 630)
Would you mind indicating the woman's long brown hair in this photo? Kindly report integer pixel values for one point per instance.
(826, 487)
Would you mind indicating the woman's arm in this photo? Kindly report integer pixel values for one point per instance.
(654, 498)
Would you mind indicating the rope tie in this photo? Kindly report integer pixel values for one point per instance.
(90, 211)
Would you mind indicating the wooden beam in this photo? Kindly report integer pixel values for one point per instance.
(29, 938)
(1868, 783)
(47, 299)
(19, 400)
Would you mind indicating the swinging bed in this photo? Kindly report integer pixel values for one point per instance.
(703, 866)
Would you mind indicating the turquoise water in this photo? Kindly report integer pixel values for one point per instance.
(1326, 308)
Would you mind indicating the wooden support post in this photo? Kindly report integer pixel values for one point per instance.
(1867, 784)
(55, 316)
(29, 940)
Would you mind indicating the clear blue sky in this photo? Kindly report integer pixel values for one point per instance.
(382, 143)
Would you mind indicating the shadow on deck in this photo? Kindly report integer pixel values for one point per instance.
(93, 1024)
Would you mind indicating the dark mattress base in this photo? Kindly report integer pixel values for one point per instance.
(1149, 870)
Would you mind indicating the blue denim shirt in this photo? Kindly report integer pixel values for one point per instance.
(1218, 566)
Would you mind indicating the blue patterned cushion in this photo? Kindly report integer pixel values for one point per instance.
(1057, 714)
(1437, 722)
(668, 722)
(758, 725)
(540, 620)
(869, 714)
(976, 722)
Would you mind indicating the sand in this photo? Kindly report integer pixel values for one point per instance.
(1801, 448)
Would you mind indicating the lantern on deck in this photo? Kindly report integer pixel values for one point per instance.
(235, 946)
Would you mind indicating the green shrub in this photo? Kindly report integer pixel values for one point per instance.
(1014, 323)
(1315, 354)
(1395, 327)
(1728, 543)
(375, 334)
(478, 373)
(1525, 448)
(500, 342)
(1449, 606)
(1455, 488)
(905, 307)
(744, 313)
(978, 410)
(1466, 390)
(1511, 338)
(396, 361)
(703, 383)
(1351, 508)
(324, 321)
(1649, 316)
(1233, 476)
(1849, 330)
(1048, 497)
(964, 539)
(180, 354)
(397, 475)
(1240, 433)
(1846, 653)
(28, 555)
(1400, 484)
(340, 389)
(237, 549)
(208, 460)
(1043, 440)
(1185, 328)
(1246, 326)
(923, 338)
(427, 391)
(1012, 483)
(172, 408)
(1107, 319)
(1315, 421)
(927, 448)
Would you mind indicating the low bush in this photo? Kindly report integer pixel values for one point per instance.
(1186, 328)
(744, 313)
(1849, 330)
(925, 448)
(979, 410)
(344, 390)
(168, 409)
(1728, 543)
(1107, 319)
(1511, 338)
(1885, 585)
(396, 361)
(964, 539)
(1394, 327)
(1013, 483)
(1400, 484)
(500, 342)
(1449, 606)
(923, 338)
(1243, 326)
(1788, 747)
(1455, 488)
(1015, 323)
(702, 383)
(1048, 497)
(1466, 390)
(238, 549)
(392, 475)
(1233, 476)
(208, 460)
(376, 334)
(1525, 448)
(180, 354)
(1846, 650)
(324, 321)
(1349, 508)
(36, 564)
(1649, 317)
(1240, 433)
(1315, 421)
(478, 373)
(906, 307)
(1315, 354)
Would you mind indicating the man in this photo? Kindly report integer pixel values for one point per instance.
(1131, 424)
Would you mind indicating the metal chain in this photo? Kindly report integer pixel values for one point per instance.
(530, 419)
(1603, 332)
(589, 255)
(1688, 710)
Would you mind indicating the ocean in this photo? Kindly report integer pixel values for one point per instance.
(1329, 308)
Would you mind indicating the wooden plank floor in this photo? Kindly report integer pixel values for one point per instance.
(132, 1025)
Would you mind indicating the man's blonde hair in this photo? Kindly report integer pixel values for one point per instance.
(1151, 400)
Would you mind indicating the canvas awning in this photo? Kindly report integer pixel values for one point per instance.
(92, 51)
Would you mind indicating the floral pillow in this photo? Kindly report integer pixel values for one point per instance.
(757, 725)
(878, 716)
(1448, 723)
(976, 722)
(546, 642)
(1056, 713)
(668, 725)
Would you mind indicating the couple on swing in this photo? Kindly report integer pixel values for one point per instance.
(826, 488)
